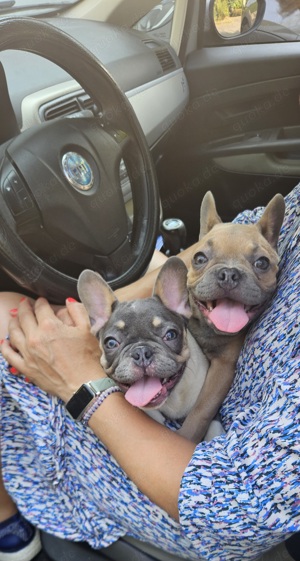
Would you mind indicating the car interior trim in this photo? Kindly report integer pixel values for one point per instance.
(167, 96)
(177, 30)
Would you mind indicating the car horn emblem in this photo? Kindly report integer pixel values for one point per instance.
(77, 171)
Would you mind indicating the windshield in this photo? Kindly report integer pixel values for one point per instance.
(158, 21)
(33, 7)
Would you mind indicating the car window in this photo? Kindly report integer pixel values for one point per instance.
(279, 23)
(158, 21)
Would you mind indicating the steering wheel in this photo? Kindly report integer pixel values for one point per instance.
(60, 181)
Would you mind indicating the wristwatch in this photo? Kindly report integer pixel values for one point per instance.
(85, 396)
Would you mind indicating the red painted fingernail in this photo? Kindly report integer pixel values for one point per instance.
(13, 370)
(71, 300)
(13, 312)
(27, 380)
(22, 299)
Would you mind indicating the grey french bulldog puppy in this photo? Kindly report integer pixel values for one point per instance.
(145, 345)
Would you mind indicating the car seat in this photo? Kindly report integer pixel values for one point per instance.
(125, 549)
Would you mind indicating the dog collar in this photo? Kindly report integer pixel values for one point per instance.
(86, 395)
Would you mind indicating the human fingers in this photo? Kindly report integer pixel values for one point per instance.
(8, 301)
(25, 315)
(31, 314)
(16, 334)
(32, 328)
(12, 356)
(32, 340)
(78, 313)
(44, 357)
(64, 316)
(16, 364)
(44, 311)
(37, 372)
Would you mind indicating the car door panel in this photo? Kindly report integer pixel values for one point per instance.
(240, 135)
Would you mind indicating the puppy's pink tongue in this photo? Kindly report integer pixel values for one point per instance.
(228, 316)
(143, 391)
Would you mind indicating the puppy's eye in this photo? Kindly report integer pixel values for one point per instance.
(111, 343)
(262, 263)
(170, 335)
(199, 259)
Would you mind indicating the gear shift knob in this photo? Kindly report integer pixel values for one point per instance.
(174, 235)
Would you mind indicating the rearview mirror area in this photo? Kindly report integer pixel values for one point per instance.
(234, 18)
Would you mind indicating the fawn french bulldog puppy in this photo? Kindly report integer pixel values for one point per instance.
(145, 345)
(232, 277)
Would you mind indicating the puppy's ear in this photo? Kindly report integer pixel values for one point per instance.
(271, 220)
(97, 297)
(171, 288)
(208, 214)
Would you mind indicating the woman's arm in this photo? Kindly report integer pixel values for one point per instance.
(143, 287)
(153, 456)
(59, 358)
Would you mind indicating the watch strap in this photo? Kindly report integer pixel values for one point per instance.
(101, 384)
(85, 396)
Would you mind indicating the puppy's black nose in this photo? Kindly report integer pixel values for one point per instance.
(228, 277)
(142, 355)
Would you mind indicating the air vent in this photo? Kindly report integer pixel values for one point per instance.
(166, 60)
(61, 109)
(80, 102)
(86, 102)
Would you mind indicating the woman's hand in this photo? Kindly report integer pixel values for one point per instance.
(54, 351)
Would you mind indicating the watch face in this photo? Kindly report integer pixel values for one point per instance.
(80, 400)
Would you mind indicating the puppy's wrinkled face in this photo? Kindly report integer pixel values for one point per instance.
(234, 269)
(143, 342)
(144, 349)
(233, 274)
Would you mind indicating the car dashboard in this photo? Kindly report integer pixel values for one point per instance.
(147, 70)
